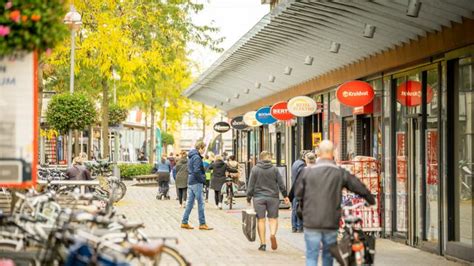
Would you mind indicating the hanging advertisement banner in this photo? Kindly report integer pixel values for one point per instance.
(409, 93)
(250, 119)
(432, 156)
(302, 106)
(280, 111)
(18, 120)
(355, 93)
(221, 127)
(238, 123)
(264, 116)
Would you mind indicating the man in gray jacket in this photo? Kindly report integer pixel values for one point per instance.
(320, 189)
(265, 181)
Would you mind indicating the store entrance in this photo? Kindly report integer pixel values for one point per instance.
(417, 211)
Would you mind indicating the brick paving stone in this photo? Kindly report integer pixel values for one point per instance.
(226, 244)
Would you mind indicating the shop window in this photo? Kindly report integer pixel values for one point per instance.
(464, 150)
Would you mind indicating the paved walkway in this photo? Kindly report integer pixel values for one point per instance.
(226, 245)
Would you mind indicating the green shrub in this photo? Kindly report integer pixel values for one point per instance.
(70, 111)
(117, 114)
(131, 170)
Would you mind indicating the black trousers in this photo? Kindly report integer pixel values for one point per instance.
(182, 194)
(218, 196)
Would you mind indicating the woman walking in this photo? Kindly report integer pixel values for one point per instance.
(218, 179)
(163, 170)
(182, 178)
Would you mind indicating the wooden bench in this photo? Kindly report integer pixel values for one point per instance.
(145, 179)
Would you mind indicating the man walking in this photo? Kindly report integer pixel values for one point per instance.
(298, 165)
(320, 189)
(196, 180)
(265, 181)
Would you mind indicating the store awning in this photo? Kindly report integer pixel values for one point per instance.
(300, 40)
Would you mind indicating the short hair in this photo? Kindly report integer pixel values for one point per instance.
(200, 145)
(326, 147)
(265, 155)
(303, 153)
(232, 157)
(310, 158)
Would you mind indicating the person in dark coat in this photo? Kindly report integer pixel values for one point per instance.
(298, 165)
(182, 177)
(218, 179)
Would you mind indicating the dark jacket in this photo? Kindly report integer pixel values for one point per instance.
(182, 173)
(265, 181)
(218, 174)
(78, 172)
(195, 168)
(320, 188)
(296, 168)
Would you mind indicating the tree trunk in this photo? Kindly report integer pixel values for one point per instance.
(105, 118)
(145, 148)
(152, 129)
(40, 107)
(90, 143)
(77, 149)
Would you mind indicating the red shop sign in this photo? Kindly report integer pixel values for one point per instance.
(409, 93)
(280, 111)
(355, 93)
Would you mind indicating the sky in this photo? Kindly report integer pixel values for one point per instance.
(234, 18)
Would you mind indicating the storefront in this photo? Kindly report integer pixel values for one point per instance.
(419, 126)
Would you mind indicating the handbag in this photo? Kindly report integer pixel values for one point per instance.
(249, 224)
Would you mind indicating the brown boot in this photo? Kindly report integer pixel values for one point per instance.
(205, 227)
(186, 226)
(273, 240)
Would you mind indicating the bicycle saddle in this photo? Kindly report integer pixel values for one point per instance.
(150, 250)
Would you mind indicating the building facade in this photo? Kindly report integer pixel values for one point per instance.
(418, 127)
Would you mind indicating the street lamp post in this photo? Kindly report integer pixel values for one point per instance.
(73, 20)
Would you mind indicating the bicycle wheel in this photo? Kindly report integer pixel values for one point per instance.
(229, 196)
(170, 256)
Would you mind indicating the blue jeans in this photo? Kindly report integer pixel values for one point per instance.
(296, 222)
(194, 192)
(313, 239)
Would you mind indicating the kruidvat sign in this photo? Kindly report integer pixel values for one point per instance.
(238, 123)
(251, 120)
(18, 120)
(355, 93)
(221, 127)
(410, 93)
(280, 111)
(302, 106)
(264, 116)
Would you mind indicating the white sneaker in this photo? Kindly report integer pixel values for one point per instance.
(219, 206)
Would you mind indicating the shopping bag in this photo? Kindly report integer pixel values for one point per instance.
(341, 251)
(249, 224)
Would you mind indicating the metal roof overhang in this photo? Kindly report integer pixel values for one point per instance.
(297, 29)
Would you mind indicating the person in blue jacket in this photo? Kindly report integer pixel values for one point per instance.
(196, 181)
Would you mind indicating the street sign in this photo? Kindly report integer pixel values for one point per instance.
(221, 127)
(280, 111)
(18, 120)
(355, 93)
(238, 123)
(264, 116)
(302, 106)
(409, 93)
(251, 120)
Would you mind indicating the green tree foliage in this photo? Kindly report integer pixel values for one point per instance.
(117, 114)
(28, 25)
(70, 111)
(167, 138)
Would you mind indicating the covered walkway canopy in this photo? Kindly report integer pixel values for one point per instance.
(302, 40)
